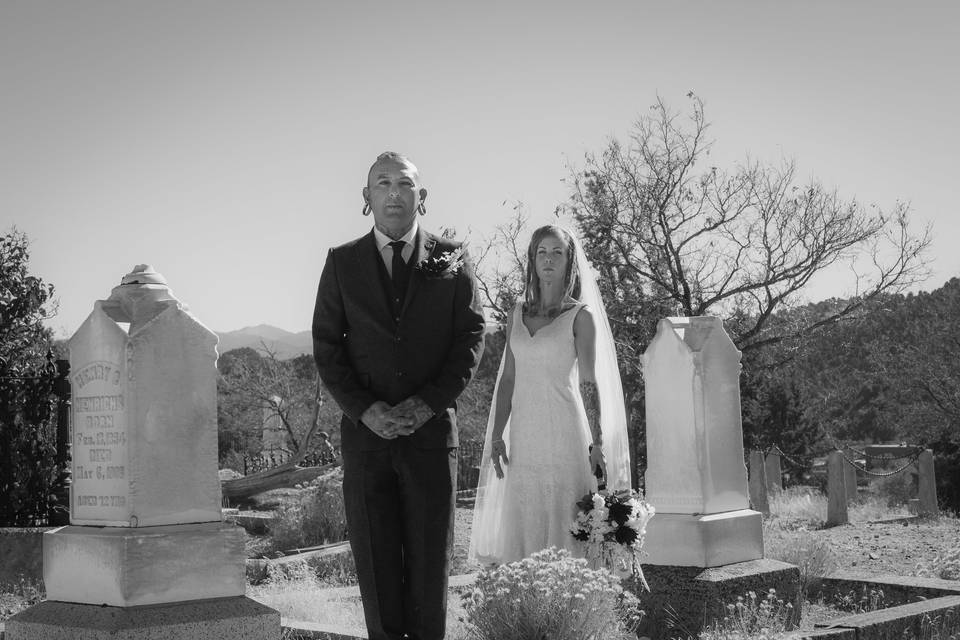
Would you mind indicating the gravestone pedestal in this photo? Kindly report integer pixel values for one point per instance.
(146, 554)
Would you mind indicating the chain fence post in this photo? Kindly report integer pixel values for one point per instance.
(836, 490)
(927, 485)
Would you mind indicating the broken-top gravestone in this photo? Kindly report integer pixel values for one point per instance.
(705, 545)
(146, 525)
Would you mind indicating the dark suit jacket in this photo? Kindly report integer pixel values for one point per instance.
(365, 354)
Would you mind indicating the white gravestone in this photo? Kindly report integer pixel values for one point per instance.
(145, 499)
(696, 475)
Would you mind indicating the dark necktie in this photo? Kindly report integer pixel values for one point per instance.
(398, 269)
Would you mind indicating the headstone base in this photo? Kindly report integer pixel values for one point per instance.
(129, 567)
(685, 600)
(228, 618)
(713, 540)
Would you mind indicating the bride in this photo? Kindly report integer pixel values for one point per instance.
(558, 397)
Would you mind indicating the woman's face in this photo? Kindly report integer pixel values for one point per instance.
(551, 259)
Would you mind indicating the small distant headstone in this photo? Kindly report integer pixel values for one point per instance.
(773, 471)
(836, 489)
(927, 485)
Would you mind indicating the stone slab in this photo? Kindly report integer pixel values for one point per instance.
(301, 630)
(704, 540)
(904, 621)
(125, 567)
(227, 618)
(683, 600)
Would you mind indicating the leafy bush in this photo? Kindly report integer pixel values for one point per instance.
(753, 617)
(550, 595)
(314, 517)
(28, 474)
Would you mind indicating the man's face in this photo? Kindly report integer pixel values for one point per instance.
(394, 193)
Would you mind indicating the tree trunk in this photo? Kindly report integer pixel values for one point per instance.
(284, 476)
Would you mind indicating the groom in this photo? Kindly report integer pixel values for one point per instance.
(397, 335)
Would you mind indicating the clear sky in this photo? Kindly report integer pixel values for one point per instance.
(226, 142)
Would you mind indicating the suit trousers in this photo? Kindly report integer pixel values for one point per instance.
(400, 504)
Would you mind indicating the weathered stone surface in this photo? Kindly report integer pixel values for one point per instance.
(222, 618)
(683, 600)
(123, 567)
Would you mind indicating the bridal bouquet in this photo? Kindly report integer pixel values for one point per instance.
(613, 525)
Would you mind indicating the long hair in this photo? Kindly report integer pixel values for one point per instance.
(571, 276)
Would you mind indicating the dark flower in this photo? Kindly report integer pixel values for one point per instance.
(625, 535)
(619, 511)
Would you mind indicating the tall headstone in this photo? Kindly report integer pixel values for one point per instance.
(146, 525)
(705, 545)
(696, 475)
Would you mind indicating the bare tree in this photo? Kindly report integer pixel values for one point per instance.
(299, 411)
(740, 244)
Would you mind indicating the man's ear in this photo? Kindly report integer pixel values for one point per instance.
(366, 195)
(423, 194)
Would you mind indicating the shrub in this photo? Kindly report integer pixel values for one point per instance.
(313, 517)
(945, 566)
(29, 478)
(753, 617)
(866, 601)
(550, 595)
(812, 555)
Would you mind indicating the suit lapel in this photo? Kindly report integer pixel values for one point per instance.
(426, 243)
(368, 265)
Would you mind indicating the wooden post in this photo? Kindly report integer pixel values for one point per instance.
(774, 472)
(927, 485)
(850, 480)
(758, 484)
(836, 490)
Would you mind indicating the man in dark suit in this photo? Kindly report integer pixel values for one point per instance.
(397, 335)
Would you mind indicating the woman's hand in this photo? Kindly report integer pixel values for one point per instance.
(597, 459)
(498, 449)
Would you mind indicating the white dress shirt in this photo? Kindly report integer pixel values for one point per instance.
(386, 251)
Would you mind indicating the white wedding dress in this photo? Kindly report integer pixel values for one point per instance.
(547, 445)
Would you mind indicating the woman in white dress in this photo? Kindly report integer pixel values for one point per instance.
(558, 392)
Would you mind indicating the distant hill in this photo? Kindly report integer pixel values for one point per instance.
(283, 343)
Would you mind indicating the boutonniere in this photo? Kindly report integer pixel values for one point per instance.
(442, 265)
